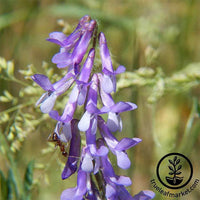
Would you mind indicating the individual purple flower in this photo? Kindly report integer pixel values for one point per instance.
(82, 82)
(74, 152)
(114, 121)
(78, 93)
(67, 58)
(80, 190)
(84, 188)
(47, 100)
(109, 79)
(68, 42)
(89, 118)
(115, 185)
(91, 155)
(117, 148)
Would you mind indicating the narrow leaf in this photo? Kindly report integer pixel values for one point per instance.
(28, 179)
(3, 186)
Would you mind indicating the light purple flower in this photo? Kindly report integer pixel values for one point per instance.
(47, 100)
(91, 155)
(89, 118)
(117, 148)
(114, 121)
(82, 83)
(109, 79)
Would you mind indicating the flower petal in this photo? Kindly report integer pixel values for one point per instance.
(123, 106)
(84, 123)
(122, 160)
(127, 143)
(122, 180)
(43, 81)
(47, 105)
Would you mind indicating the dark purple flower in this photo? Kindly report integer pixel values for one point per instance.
(68, 42)
(74, 152)
(67, 58)
(80, 190)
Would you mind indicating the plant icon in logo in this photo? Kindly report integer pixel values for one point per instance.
(174, 171)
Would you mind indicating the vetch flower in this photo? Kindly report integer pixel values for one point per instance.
(74, 152)
(67, 58)
(90, 115)
(114, 121)
(80, 190)
(109, 79)
(117, 148)
(91, 155)
(69, 42)
(47, 100)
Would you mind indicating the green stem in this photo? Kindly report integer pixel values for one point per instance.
(19, 106)
(15, 80)
(12, 164)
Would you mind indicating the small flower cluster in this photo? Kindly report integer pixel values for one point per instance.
(93, 92)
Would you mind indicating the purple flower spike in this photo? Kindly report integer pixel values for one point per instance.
(109, 79)
(74, 152)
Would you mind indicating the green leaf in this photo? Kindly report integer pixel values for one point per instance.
(12, 186)
(28, 179)
(4, 187)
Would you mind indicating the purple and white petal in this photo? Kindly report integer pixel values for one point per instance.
(114, 122)
(48, 104)
(122, 160)
(122, 180)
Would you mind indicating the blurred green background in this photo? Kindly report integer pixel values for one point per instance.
(156, 40)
